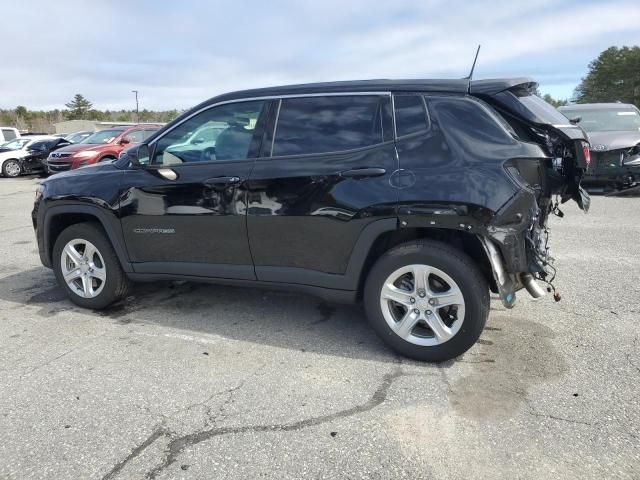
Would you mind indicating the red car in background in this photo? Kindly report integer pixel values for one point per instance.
(102, 145)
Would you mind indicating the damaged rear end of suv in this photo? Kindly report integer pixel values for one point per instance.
(546, 167)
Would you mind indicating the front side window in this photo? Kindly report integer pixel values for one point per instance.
(235, 124)
(411, 114)
(148, 132)
(135, 136)
(314, 125)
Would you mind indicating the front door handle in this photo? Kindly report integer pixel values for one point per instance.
(222, 181)
(363, 172)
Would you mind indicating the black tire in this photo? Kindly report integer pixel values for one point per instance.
(460, 268)
(116, 284)
(104, 159)
(11, 162)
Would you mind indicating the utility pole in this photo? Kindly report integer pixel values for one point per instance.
(137, 112)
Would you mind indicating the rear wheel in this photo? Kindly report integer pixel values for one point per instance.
(11, 168)
(87, 268)
(427, 300)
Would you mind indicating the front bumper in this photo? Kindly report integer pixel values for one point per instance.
(37, 218)
(56, 166)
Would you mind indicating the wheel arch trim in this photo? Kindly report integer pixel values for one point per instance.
(114, 234)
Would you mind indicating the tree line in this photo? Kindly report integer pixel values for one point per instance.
(613, 76)
(42, 121)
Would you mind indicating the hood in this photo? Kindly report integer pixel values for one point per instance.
(76, 147)
(95, 169)
(605, 141)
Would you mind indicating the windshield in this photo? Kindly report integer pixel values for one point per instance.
(76, 137)
(16, 144)
(103, 136)
(606, 120)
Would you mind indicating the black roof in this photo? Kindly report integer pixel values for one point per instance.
(489, 87)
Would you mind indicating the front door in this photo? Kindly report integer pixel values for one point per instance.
(322, 179)
(184, 212)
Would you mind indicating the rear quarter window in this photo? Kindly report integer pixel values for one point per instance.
(542, 110)
(469, 123)
(315, 125)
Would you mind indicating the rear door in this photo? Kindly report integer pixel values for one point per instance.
(184, 212)
(322, 178)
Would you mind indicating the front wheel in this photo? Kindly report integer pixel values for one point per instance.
(427, 300)
(11, 168)
(87, 267)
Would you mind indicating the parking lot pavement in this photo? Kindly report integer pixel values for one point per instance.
(202, 381)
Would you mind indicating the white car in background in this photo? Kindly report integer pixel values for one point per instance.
(12, 151)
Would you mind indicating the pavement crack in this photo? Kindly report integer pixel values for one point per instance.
(178, 444)
(562, 419)
(211, 418)
(158, 432)
(78, 347)
(628, 355)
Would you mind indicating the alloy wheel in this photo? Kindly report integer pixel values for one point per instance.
(12, 168)
(422, 304)
(83, 268)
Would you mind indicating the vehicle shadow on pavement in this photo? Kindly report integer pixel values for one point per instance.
(275, 318)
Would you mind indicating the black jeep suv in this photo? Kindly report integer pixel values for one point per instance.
(416, 197)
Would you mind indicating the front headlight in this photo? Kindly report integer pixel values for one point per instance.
(631, 156)
(86, 154)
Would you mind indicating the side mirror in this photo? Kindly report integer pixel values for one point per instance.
(124, 141)
(138, 155)
(575, 120)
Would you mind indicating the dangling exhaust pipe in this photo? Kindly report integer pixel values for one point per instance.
(529, 282)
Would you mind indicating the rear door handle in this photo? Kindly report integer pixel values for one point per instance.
(222, 181)
(363, 172)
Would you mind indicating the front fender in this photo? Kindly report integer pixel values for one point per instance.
(47, 218)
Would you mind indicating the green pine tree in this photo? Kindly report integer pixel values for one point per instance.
(78, 107)
(613, 76)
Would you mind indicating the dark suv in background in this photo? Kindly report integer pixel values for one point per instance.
(98, 147)
(416, 197)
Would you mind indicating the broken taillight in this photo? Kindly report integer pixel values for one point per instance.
(587, 154)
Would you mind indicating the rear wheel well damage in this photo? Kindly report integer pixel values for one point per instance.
(465, 242)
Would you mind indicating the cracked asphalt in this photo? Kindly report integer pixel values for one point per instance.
(200, 381)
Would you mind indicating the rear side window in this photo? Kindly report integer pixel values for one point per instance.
(311, 125)
(8, 134)
(411, 114)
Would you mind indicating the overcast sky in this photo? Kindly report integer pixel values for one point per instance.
(178, 53)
